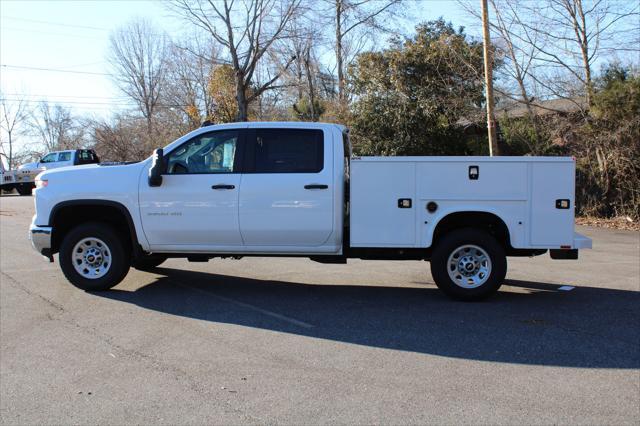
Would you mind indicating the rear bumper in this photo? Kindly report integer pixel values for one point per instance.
(571, 252)
(564, 254)
(581, 242)
(40, 237)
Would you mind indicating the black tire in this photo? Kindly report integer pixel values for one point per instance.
(119, 255)
(24, 189)
(454, 241)
(148, 262)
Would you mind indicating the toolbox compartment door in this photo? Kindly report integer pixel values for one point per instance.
(552, 184)
(378, 216)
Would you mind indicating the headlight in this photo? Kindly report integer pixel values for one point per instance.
(41, 183)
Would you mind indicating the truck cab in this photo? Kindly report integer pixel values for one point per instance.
(255, 190)
(294, 189)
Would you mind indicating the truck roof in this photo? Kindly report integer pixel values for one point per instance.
(289, 124)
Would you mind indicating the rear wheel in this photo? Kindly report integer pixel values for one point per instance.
(148, 262)
(468, 264)
(93, 256)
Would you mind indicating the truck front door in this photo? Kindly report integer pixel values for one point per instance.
(196, 207)
(286, 195)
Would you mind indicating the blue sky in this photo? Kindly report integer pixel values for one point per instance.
(66, 35)
(74, 36)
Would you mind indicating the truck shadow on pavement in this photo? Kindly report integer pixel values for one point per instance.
(587, 327)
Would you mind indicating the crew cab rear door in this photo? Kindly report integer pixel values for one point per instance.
(286, 194)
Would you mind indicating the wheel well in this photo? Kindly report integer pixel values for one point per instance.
(479, 220)
(68, 216)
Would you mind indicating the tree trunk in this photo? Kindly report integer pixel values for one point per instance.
(339, 58)
(10, 151)
(580, 28)
(241, 98)
(532, 116)
(312, 95)
(587, 75)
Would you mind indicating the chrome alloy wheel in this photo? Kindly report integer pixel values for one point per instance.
(91, 258)
(469, 266)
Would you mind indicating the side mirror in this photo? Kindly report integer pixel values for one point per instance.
(157, 168)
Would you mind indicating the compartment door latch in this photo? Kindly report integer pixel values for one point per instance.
(474, 172)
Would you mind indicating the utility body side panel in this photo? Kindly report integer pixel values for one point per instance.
(521, 191)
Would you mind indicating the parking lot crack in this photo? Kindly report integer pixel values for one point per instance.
(15, 284)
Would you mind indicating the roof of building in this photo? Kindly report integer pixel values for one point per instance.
(542, 107)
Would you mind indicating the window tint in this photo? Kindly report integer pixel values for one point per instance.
(289, 151)
(64, 156)
(208, 153)
(87, 156)
(49, 158)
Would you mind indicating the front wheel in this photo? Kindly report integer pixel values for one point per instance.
(468, 264)
(93, 256)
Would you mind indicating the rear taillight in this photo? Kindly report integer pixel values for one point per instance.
(41, 183)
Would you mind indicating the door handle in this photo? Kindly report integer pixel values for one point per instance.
(316, 186)
(223, 187)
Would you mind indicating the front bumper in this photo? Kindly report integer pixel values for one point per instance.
(40, 237)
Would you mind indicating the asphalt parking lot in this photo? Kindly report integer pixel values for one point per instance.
(291, 341)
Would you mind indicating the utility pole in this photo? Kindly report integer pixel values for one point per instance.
(488, 80)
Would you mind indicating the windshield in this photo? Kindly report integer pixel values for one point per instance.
(49, 158)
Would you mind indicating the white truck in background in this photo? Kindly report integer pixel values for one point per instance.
(294, 189)
(21, 181)
(26, 173)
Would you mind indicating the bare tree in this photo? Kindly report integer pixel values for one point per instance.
(56, 128)
(120, 138)
(517, 58)
(13, 118)
(349, 18)
(302, 78)
(138, 54)
(191, 64)
(247, 30)
(572, 34)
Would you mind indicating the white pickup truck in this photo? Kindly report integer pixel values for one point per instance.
(26, 173)
(19, 180)
(293, 189)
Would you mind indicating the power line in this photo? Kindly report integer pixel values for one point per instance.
(83, 27)
(54, 70)
(29, 68)
(36, 21)
(36, 101)
(131, 104)
(52, 33)
(31, 95)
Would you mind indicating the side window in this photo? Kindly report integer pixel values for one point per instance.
(289, 151)
(86, 156)
(208, 153)
(64, 156)
(49, 158)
